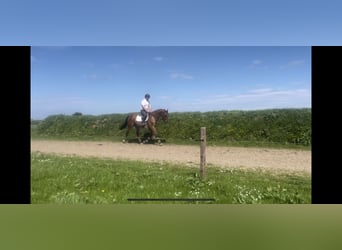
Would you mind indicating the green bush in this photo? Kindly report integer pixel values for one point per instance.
(281, 126)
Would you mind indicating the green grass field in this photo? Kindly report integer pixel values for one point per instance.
(75, 180)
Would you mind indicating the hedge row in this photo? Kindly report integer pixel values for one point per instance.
(283, 126)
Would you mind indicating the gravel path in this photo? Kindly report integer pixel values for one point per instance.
(227, 157)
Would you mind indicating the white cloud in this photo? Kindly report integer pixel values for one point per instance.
(88, 64)
(158, 58)
(252, 100)
(164, 97)
(114, 66)
(96, 77)
(264, 90)
(294, 63)
(57, 101)
(257, 64)
(181, 76)
(90, 77)
(52, 105)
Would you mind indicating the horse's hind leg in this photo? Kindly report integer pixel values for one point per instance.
(127, 132)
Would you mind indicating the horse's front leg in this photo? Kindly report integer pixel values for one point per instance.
(137, 129)
(153, 132)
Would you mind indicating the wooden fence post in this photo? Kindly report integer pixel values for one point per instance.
(203, 151)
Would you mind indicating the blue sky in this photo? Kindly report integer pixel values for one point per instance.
(67, 77)
(171, 22)
(113, 79)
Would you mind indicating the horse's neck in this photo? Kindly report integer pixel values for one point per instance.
(156, 114)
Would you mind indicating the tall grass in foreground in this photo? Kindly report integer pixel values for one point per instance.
(75, 180)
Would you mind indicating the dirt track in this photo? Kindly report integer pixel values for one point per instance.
(229, 157)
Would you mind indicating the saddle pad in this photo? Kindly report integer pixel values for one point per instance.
(138, 118)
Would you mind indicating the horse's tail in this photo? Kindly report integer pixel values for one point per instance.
(124, 125)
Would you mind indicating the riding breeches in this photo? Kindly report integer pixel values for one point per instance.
(143, 115)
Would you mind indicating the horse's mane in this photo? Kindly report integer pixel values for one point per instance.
(158, 110)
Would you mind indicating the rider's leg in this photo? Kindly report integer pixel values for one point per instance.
(143, 116)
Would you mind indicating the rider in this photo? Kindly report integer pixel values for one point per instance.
(145, 108)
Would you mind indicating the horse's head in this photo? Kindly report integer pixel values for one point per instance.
(161, 114)
(165, 115)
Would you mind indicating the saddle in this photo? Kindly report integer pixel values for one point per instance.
(139, 118)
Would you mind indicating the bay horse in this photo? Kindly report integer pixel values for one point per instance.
(153, 118)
